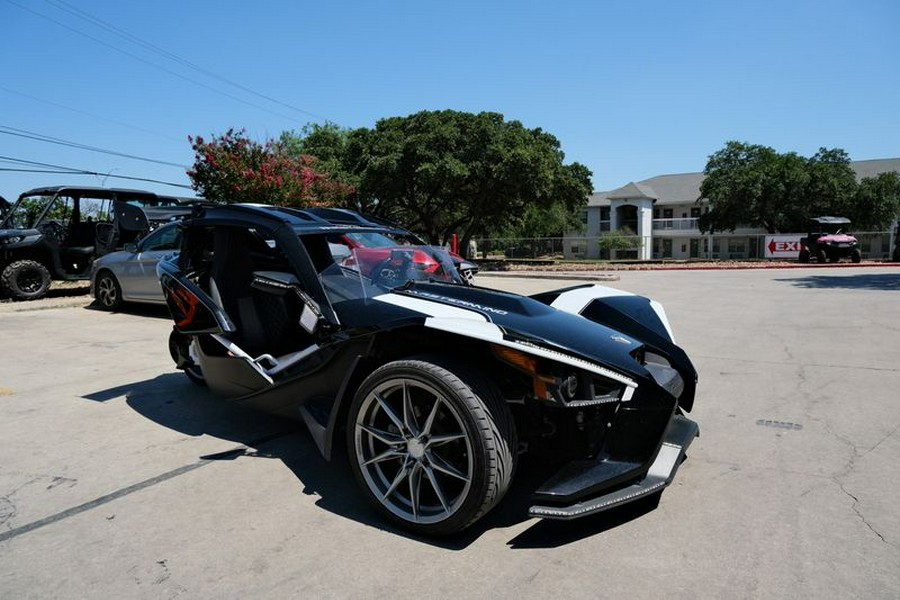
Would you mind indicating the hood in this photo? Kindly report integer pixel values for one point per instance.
(837, 238)
(527, 320)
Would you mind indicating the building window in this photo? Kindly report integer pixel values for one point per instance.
(695, 212)
(584, 216)
(667, 213)
(655, 213)
(604, 213)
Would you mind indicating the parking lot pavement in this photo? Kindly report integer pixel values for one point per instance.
(120, 478)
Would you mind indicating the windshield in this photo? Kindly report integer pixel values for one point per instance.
(361, 273)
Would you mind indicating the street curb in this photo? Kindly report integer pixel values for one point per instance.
(580, 276)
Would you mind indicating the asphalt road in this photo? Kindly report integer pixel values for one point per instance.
(121, 479)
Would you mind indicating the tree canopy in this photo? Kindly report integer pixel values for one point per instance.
(233, 168)
(446, 172)
(750, 184)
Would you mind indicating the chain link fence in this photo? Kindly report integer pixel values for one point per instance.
(876, 245)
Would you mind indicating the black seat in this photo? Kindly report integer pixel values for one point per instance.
(264, 321)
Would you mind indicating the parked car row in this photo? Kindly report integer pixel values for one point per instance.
(56, 233)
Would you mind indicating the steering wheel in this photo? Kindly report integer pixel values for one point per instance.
(388, 273)
(54, 231)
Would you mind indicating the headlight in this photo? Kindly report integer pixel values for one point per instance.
(557, 383)
(662, 372)
(13, 239)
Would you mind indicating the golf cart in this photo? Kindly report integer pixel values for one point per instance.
(829, 240)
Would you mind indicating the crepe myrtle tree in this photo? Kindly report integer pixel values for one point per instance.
(233, 168)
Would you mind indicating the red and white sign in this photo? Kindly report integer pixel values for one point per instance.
(783, 246)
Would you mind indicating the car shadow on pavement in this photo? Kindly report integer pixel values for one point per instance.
(158, 311)
(174, 402)
(874, 281)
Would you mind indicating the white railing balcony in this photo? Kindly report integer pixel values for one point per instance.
(688, 224)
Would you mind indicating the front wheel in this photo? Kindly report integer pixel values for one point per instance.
(855, 256)
(804, 256)
(433, 448)
(25, 280)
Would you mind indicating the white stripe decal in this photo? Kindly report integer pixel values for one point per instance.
(489, 332)
(430, 308)
(476, 326)
(575, 301)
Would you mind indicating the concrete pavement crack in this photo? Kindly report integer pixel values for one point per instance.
(859, 514)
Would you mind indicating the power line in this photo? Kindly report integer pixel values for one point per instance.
(90, 114)
(81, 14)
(76, 171)
(31, 135)
(23, 133)
(152, 64)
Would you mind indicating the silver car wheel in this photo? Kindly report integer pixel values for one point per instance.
(413, 451)
(108, 293)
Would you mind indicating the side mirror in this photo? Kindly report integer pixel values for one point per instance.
(131, 247)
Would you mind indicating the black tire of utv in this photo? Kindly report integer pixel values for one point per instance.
(193, 372)
(821, 257)
(495, 442)
(111, 303)
(804, 256)
(855, 256)
(11, 277)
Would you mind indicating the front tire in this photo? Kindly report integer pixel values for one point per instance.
(25, 280)
(804, 256)
(855, 256)
(108, 291)
(432, 448)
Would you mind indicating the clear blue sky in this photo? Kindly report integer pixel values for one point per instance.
(631, 89)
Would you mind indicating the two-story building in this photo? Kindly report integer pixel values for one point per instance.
(662, 213)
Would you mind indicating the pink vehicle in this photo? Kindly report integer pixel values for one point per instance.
(828, 240)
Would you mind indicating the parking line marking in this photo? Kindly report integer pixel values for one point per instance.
(107, 498)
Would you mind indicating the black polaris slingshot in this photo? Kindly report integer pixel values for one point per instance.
(435, 387)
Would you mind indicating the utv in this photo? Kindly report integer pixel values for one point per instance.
(55, 233)
(828, 240)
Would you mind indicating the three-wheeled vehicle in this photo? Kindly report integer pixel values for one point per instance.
(436, 387)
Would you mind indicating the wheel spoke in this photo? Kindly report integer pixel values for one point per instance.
(441, 465)
(437, 440)
(391, 439)
(438, 490)
(398, 479)
(389, 412)
(389, 454)
(409, 415)
(429, 422)
(415, 484)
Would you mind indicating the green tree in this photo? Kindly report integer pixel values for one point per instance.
(749, 184)
(233, 168)
(876, 202)
(328, 143)
(622, 239)
(445, 172)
